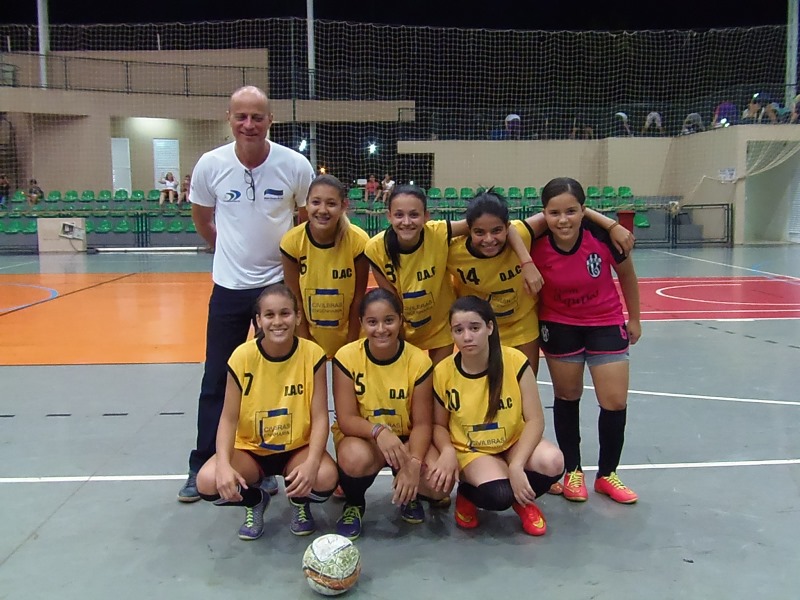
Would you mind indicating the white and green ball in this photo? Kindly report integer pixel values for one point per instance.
(331, 564)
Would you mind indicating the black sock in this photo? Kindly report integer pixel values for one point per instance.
(540, 482)
(315, 497)
(250, 497)
(611, 434)
(567, 423)
(355, 488)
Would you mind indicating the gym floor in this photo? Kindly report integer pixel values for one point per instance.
(101, 360)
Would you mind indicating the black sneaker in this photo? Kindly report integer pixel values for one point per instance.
(189, 493)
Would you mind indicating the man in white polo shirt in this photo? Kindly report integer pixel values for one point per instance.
(243, 198)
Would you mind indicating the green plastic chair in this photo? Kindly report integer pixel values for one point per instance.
(605, 205)
(609, 192)
(122, 227)
(103, 226)
(158, 226)
(466, 193)
(136, 196)
(531, 193)
(450, 193)
(359, 221)
(175, 226)
(435, 193)
(29, 227)
(71, 196)
(19, 196)
(105, 196)
(639, 205)
(190, 228)
(500, 191)
(355, 194)
(13, 227)
(591, 203)
(87, 196)
(514, 193)
(625, 192)
(53, 196)
(121, 196)
(153, 196)
(593, 192)
(640, 220)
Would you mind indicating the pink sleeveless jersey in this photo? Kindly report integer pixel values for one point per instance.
(579, 287)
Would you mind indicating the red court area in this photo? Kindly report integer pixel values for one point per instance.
(683, 298)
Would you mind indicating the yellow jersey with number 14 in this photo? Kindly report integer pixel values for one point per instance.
(497, 279)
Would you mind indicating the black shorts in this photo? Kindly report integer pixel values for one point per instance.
(274, 464)
(562, 341)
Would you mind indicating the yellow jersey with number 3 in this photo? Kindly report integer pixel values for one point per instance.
(422, 281)
(275, 414)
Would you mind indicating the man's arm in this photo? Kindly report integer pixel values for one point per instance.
(203, 217)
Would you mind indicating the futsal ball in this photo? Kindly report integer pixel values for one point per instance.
(331, 564)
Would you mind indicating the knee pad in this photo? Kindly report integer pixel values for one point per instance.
(495, 495)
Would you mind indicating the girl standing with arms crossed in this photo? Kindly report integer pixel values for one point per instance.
(324, 265)
(488, 424)
(274, 421)
(582, 323)
(383, 395)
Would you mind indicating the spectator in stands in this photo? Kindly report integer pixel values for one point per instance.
(693, 123)
(5, 190)
(186, 185)
(35, 193)
(512, 129)
(653, 119)
(387, 185)
(372, 188)
(170, 189)
(623, 129)
(761, 109)
(581, 128)
(725, 115)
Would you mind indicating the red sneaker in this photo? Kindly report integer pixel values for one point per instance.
(575, 487)
(466, 513)
(556, 489)
(611, 486)
(532, 520)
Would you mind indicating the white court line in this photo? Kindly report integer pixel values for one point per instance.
(721, 264)
(387, 472)
(32, 262)
(700, 397)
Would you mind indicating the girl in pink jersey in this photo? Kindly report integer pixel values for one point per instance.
(581, 323)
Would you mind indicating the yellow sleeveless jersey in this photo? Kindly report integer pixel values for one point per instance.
(275, 414)
(466, 397)
(383, 388)
(327, 281)
(422, 282)
(499, 280)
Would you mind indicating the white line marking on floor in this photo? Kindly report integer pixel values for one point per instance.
(32, 262)
(721, 264)
(387, 472)
(701, 397)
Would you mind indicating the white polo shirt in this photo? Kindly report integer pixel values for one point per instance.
(249, 231)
